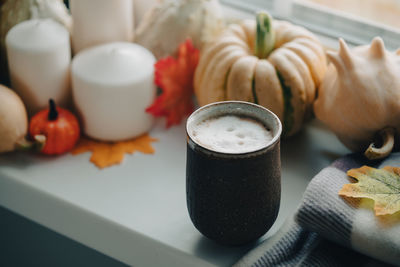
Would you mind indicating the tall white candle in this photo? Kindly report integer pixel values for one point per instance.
(39, 57)
(112, 86)
(101, 21)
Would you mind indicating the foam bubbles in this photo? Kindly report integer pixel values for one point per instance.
(231, 134)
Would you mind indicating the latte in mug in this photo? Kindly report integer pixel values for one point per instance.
(231, 134)
(233, 171)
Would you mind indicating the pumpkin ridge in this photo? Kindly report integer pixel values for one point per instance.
(310, 58)
(288, 110)
(210, 51)
(253, 89)
(316, 48)
(308, 82)
(292, 78)
(249, 28)
(239, 81)
(295, 32)
(209, 69)
(268, 88)
(237, 31)
(215, 83)
(280, 27)
(226, 81)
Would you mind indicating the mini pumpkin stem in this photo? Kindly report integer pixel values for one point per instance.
(387, 136)
(53, 113)
(265, 35)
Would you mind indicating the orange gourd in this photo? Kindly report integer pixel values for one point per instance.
(59, 126)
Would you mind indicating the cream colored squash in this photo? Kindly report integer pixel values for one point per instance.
(13, 120)
(171, 22)
(360, 97)
(275, 64)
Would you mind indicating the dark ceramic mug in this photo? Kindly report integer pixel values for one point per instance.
(233, 198)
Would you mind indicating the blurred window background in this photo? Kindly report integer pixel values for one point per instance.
(356, 21)
(385, 12)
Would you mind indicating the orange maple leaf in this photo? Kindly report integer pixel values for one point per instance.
(174, 77)
(105, 154)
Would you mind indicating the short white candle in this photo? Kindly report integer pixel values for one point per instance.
(101, 21)
(112, 85)
(39, 57)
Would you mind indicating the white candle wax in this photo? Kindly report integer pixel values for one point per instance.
(112, 86)
(39, 57)
(101, 21)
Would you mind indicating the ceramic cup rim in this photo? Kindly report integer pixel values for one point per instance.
(268, 146)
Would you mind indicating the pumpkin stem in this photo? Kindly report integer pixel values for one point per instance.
(265, 35)
(387, 135)
(53, 113)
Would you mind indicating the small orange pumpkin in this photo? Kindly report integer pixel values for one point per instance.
(59, 126)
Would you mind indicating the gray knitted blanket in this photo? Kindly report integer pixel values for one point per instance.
(329, 231)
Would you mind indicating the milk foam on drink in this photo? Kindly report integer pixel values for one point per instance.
(231, 134)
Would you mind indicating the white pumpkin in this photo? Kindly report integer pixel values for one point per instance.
(13, 120)
(360, 97)
(171, 22)
(272, 63)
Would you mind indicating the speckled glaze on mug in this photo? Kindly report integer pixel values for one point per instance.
(233, 198)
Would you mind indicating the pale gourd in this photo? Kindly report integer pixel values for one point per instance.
(171, 22)
(359, 98)
(13, 120)
(272, 63)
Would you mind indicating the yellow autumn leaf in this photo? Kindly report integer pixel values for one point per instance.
(105, 154)
(380, 185)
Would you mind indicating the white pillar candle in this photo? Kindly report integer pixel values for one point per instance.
(112, 85)
(101, 21)
(39, 57)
